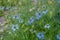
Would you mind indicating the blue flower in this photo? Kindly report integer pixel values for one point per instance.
(40, 35)
(58, 37)
(38, 15)
(13, 17)
(47, 26)
(17, 17)
(1, 8)
(58, 1)
(44, 6)
(20, 21)
(6, 8)
(31, 20)
(14, 27)
(32, 31)
(44, 12)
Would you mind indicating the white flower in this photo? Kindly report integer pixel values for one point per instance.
(32, 31)
(45, 12)
(47, 26)
(20, 20)
(32, 9)
(43, 6)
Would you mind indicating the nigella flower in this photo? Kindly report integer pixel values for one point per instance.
(44, 6)
(40, 35)
(13, 17)
(58, 37)
(17, 17)
(14, 8)
(32, 31)
(31, 20)
(1, 8)
(6, 8)
(14, 27)
(45, 12)
(20, 21)
(38, 15)
(58, 1)
(47, 26)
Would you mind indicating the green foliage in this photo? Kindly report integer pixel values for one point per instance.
(21, 11)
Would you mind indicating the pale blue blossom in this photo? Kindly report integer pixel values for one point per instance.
(58, 1)
(17, 17)
(31, 20)
(20, 21)
(32, 31)
(38, 15)
(47, 26)
(58, 37)
(1, 8)
(45, 12)
(13, 16)
(43, 6)
(40, 35)
(14, 27)
(6, 8)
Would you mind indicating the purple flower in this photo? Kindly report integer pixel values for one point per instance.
(38, 15)
(31, 20)
(14, 27)
(40, 35)
(58, 37)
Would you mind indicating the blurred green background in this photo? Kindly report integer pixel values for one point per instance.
(30, 19)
